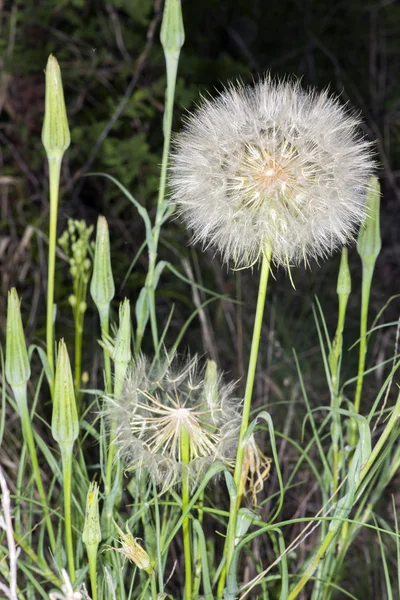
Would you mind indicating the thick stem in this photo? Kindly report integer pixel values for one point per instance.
(185, 457)
(54, 183)
(258, 321)
(92, 558)
(66, 455)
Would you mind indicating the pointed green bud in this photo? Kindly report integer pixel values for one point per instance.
(18, 370)
(55, 132)
(91, 535)
(172, 33)
(211, 381)
(369, 239)
(102, 285)
(65, 422)
(122, 350)
(344, 279)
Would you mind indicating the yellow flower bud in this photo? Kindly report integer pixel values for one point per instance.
(55, 132)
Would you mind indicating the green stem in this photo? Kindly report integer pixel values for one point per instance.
(91, 550)
(54, 183)
(367, 273)
(21, 399)
(185, 458)
(258, 321)
(105, 328)
(66, 455)
(153, 587)
(198, 564)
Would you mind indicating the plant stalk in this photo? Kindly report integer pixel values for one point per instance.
(54, 183)
(235, 504)
(185, 458)
(66, 455)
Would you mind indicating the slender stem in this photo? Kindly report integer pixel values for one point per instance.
(91, 550)
(105, 328)
(66, 454)
(20, 397)
(185, 457)
(258, 321)
(54, 183)
(367, 274)
(198, 564)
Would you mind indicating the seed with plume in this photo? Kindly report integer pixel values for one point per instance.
(271, 167)
(158, 403)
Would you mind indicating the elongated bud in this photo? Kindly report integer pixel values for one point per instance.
(18, 370)
(133, 551)
(65, 422)
(102, 287)
(55, 132)
(369, 239)
(91, 535)
(211, 386)
(122, 350)
(343, 287)
(172, 33)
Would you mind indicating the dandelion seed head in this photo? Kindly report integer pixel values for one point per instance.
(272, 166)
(158, 403)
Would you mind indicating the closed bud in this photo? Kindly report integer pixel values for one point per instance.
(91, 535)
(18, 370)
(55, 132)
(65, 422)
(172, 34)
(102, 285)
(344, 279)
(122, 349)
(211, 386)
(369, 239)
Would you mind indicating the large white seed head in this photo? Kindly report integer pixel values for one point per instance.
(160, 405)
(271, 167)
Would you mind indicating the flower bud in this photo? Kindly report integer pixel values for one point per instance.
(65, 422)
(343, 287)
(172, 33)
(91, 535)
(211, 390)
(122, 350)
(18, 370)
(369, 239)
(55, 132)
(102, 285)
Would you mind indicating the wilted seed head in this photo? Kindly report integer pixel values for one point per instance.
(158, 403)
(91, 535)
(271, 167)
(132, 550)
